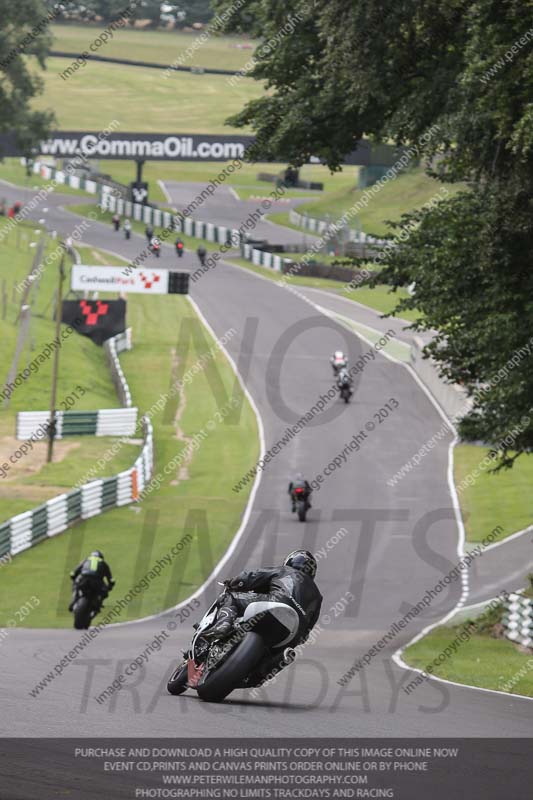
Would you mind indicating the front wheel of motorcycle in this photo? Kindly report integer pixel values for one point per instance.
(177, 683)
(220, 682)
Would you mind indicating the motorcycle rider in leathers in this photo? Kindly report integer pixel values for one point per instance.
(291, 583)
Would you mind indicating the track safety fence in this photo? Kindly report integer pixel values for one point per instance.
(56, 515)
(518, 619)
(322, 227)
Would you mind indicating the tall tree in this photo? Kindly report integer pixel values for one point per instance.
(23, 31)
(196, 11)
(395, 71)
(111, 9)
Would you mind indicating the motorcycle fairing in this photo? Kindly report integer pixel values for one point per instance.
(283, 613)
(207, 620)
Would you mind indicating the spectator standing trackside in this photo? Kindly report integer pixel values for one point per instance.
(115, 219)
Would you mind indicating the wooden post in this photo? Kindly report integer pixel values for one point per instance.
(52, 424)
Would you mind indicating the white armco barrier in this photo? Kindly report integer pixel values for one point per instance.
(117, 344)
(322, 227)
(104, 422)
(91, 499)
(116, 422)
(56, 515)
(34, 425)
(21, 532)
(518, 619)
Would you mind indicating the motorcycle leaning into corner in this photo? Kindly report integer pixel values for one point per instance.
(90, 596)
(215, 667)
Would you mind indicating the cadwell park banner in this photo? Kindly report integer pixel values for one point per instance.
(128, 279)
(172, 147)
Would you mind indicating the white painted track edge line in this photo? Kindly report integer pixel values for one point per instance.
(163, 188)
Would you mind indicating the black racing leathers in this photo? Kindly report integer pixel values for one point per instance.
(92, 577)
(286, 584)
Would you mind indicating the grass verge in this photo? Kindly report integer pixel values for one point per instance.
(500, 498)
(481, 661)
(408, 191)
(99, 93)
(161, 47)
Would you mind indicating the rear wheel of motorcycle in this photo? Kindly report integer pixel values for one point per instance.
(177, 683)
(302, 510)
(219, 683)
(82, 614)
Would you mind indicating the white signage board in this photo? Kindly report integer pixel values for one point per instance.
(119, 279)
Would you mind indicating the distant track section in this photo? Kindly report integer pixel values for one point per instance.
(150, 64)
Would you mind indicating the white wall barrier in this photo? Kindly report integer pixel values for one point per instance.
(104, 422)
(56, 515)
(518, 619)
(117, 344)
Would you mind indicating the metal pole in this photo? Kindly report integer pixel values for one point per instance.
(55, 372)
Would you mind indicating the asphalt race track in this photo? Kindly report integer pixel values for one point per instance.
(400, 541)
(227, 209)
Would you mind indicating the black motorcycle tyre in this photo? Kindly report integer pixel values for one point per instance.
(177, 683)
(219, 683)
(82, 613)
(302, 510)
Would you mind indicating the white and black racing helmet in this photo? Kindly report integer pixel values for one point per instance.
(302, 560)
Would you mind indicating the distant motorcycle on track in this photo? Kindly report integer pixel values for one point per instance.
(155, 247)
(87, 604)
(344, 383)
